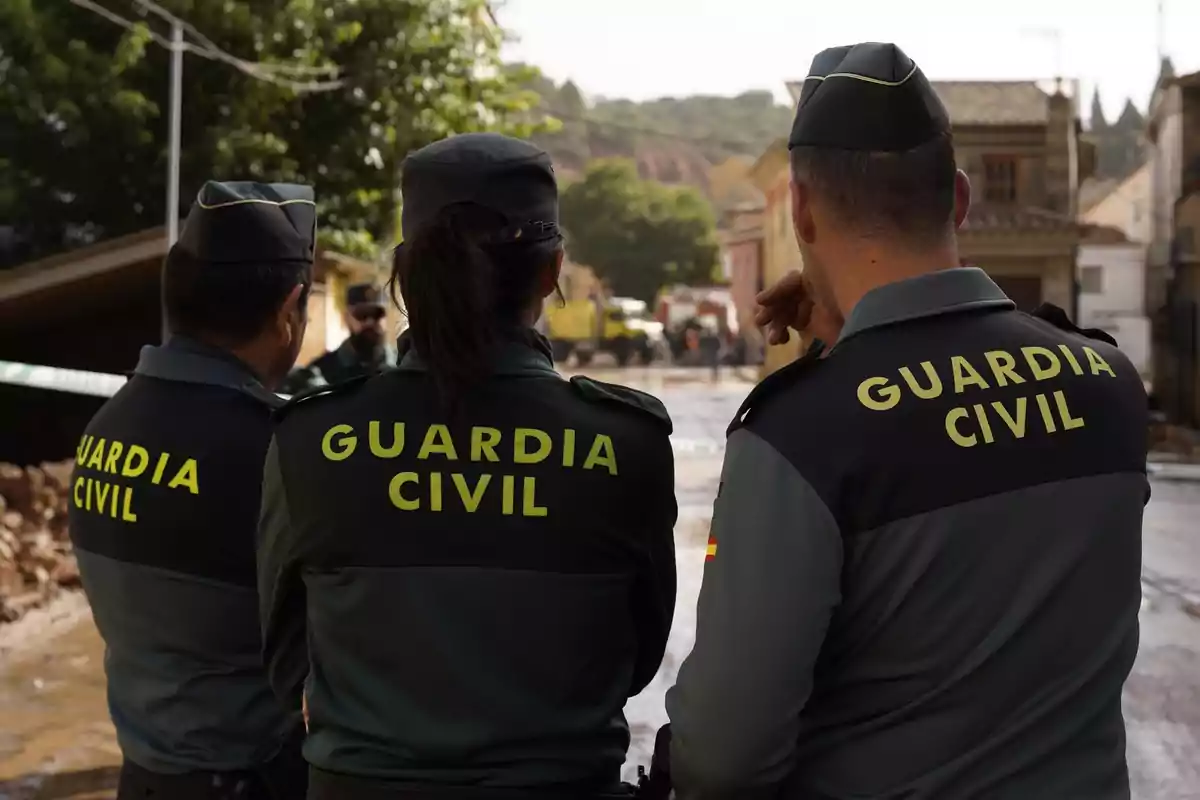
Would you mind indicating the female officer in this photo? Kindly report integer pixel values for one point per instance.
(466, 563)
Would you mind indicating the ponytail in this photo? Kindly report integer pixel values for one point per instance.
(463, 294)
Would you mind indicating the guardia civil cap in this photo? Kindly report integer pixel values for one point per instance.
(868, 96)
(242, 222)
(511, 177)
(363, 294)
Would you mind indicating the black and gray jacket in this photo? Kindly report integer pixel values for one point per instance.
(925, 570)
(470, 600)
(164, 506)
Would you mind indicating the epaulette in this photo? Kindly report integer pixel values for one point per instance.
(777, 380)
(595, 391)
(1048, 312)
(313, 394)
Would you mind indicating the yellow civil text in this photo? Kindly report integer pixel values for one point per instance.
(102, 497)
(1014, 418)
(437, 491)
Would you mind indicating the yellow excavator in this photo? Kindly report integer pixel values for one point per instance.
(620, 326)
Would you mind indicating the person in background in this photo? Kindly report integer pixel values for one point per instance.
(364, 352)
(924, 573)
(165, 503)
(467, 564)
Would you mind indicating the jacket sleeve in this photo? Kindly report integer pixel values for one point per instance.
(771, 582)
(656, 581)
(281, 591)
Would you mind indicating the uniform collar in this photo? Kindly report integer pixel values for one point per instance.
(187, 360)
(943, 292)
(349, 357)
(523, 352)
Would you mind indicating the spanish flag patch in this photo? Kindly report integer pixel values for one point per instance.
(711, 551)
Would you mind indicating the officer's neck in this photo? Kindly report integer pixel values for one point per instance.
(873, 265)
(256, 356)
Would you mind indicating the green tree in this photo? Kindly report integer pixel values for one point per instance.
(83, 107)
(638, 235)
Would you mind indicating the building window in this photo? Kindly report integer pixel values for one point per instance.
(999, 179)
(1091, 280)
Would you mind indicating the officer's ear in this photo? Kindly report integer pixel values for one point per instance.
(290, 320)
(962, 198)
(549, 279)
(802, 214)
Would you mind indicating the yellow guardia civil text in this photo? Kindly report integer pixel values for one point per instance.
(123, 466)
(441, 485)
(972, 424)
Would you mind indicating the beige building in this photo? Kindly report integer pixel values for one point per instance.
(1023, 149)
(771, 174)
(1125, 206)
(1173, 260)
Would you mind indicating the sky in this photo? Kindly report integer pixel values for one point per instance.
(641, 49)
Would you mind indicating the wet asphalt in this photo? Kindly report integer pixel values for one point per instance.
(56, 740)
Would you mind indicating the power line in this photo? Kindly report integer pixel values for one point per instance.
(254, 70)
(211, 47)
(204, 47)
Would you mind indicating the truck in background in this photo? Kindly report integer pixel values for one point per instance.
(619, 326)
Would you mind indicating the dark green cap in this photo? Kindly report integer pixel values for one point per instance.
(242, 222)
(868, 97)
(511, 177)
(363, 294)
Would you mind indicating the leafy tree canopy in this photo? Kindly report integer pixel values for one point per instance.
(638, 235)
(84, 105)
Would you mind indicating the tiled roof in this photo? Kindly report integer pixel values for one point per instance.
(1094, 191)
(993, 102)
(999, 218)
(983, 102)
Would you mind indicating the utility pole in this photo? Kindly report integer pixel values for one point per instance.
(173, 146)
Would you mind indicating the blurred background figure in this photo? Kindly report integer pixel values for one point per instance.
(365, 351)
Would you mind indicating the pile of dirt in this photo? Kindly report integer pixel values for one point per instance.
(36, 561)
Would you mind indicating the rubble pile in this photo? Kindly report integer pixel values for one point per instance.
(36, 562)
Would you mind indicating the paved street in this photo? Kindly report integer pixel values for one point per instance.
(51, 688)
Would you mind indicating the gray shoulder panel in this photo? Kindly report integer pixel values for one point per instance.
(184, 667)
(771, 583)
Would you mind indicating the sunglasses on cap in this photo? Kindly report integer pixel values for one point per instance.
(367, 313)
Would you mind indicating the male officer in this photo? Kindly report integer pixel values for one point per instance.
(364, 352)
(923, 580)
(166, 500)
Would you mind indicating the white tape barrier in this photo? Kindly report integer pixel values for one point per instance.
(100, 384)
(57, 379)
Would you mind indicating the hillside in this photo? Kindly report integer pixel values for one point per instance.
(677, 140)
(673, 140)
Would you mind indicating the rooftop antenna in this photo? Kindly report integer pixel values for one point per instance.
(1054, 37)
(1162, 31)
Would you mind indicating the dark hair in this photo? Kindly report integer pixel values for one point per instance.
(463, 293)
(908, 194)
(232, 302)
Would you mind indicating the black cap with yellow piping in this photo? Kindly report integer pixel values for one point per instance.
(868, 97)
(242, 222)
